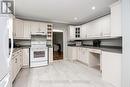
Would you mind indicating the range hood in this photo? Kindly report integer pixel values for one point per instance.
(38, 34)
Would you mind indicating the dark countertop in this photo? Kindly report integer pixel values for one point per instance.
(114, 49)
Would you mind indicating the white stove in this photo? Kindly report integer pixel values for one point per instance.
(38, 54)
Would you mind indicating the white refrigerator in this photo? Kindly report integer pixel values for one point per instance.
(5, 27)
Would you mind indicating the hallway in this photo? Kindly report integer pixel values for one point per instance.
(60, 74)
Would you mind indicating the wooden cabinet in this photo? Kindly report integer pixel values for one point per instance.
(116, 20)
(111, 68)
(27, 30)
(16, 63)
(25, 63)
(18, 29)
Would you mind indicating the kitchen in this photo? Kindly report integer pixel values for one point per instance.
(92, 46)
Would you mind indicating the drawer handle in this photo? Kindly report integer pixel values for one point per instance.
(16, 60)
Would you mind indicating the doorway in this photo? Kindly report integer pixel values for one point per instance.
(57, 45)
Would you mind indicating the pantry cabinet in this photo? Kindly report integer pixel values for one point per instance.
(111, 67)
(18, 29)
(27, 30)
(116, 19)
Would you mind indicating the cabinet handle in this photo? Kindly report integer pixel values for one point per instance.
(16, 60)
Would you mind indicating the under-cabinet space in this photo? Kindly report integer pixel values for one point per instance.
(95, 59)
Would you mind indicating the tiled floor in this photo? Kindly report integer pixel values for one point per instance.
(60, 74)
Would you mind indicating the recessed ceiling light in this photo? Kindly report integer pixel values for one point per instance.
(75, 18)
(93, 8)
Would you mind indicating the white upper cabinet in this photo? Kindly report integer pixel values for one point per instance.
(71, 32)
(83, 32)
(43, 28)
(99, 28)
(94, 29)
(77, 32)
(105, 26)
(18, 29)
(38, 27)
(27, 31)
(116, 19)
(74, 32)
(35, 27)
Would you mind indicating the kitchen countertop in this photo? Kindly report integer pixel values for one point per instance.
(114, 49)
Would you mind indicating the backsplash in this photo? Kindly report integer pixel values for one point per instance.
(23, 42)
(105, 42)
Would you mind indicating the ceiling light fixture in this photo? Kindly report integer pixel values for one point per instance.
(93, 8)
(75, 18)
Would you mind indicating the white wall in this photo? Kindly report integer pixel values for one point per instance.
(126, 43)
(0, 6)
(64, 28)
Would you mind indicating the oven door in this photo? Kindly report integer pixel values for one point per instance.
(39, 54)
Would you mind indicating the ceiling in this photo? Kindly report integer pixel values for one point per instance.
(62, 11)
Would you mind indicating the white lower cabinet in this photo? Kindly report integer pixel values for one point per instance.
(111, 68)
(16, 63)
(73, 53)
(83, 55)
(50, 55)
(25, 63)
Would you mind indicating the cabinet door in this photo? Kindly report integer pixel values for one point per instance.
(69, 52)
(35, 27)
(77, 32)
(111, 68)
(105, 23)
(94, 29)
(18, 29)
(27, 31)
(25, 57)
(116, 20)
(43, 28)
(84, 31)
(83, 55)
(72, 32)
(50, 55)
(13, 70)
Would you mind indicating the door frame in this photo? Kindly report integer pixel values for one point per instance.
(62, 31)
